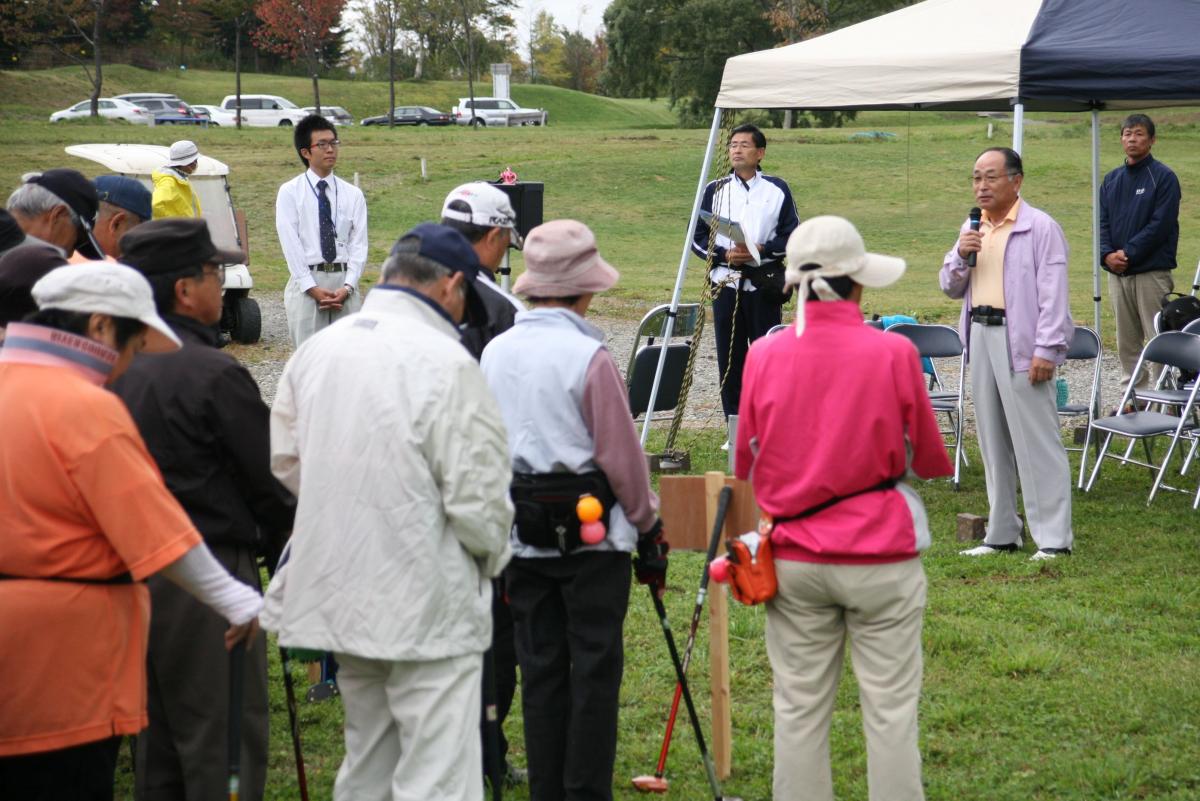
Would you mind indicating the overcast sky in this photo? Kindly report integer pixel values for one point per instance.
(584, 15)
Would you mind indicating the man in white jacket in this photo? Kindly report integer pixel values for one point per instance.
(384, 428)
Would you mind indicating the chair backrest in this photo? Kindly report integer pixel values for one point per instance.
(1193, 327)
(641, 377)
(654, 324)
(775, 329)
(1174, 348)
(1085, 344)
(933, 341)
(875, 323)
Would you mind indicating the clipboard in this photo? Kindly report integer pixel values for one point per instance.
(732, 231)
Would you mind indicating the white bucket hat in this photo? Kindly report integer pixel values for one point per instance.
(182, 153)
(102, 287)
(834, 244)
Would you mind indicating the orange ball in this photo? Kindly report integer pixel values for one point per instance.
(589, 509)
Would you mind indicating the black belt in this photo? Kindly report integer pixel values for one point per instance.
(327, 267)
(120, 578)
(986, 315)
(886, 484)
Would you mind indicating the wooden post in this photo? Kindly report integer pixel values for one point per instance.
(718, 646)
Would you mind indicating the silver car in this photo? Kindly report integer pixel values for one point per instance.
(111, 108)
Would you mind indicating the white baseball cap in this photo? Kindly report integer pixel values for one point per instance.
(836, 247)
(102, 287)
(485, 205)
(182, 153)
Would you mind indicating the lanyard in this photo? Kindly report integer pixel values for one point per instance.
(333, 207)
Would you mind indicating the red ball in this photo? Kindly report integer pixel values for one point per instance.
(592, 533)
(718, 570)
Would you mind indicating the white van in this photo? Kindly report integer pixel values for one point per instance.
(266, 110)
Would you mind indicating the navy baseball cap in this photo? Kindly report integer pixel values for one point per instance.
(127, 193)
(78, 193)
(452, 250)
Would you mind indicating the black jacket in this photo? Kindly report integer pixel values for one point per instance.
(501, 313)
(1139, 213)
(206, 426)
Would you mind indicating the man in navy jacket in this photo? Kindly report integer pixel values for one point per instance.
(1139, 235)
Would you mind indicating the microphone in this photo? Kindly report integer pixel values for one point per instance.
(974, 215)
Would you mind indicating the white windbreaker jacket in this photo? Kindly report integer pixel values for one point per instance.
(384, 428)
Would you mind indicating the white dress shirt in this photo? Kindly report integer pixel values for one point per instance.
(297, 221)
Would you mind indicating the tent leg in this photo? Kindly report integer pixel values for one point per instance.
(679, 278)
(1096, 214)
(1018, 127)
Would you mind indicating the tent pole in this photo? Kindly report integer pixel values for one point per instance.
(683, 263)
(1018, 127)
(1096, 214)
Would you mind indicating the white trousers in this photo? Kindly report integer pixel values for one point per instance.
(1019, 435)
(303, 315)
(412, 730)
(880, 608)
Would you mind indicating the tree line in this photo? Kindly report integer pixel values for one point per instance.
(674, 49)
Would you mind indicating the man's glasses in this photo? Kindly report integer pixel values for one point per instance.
(215, 269)
(326, 145)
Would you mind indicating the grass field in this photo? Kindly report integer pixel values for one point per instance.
(1073, 680)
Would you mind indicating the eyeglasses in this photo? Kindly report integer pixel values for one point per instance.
(743, 146)
(325, 144)
(214, 269)
(991, 178)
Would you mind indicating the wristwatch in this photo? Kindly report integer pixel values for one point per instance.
(349, 290)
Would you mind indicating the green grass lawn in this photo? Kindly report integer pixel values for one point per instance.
(1075, 679)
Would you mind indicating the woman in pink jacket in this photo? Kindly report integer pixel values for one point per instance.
(834, 417)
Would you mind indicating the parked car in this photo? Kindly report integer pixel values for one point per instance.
(167, 109)
(110, 108)
(335, 114)
(411, 115)
(496, 111)
(266, 110)
(219, 117)
(240, 314)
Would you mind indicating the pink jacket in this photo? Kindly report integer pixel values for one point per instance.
(828, 414)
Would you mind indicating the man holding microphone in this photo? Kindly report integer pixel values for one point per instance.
(1016, 326)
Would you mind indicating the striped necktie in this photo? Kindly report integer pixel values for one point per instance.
(325, 219)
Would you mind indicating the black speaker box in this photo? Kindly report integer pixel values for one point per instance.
(526, 199)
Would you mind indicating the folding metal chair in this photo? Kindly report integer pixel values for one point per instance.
(875, 323)
(775, 329)
(1173, 349)
(1085, 345)
(942, 342)
(643, 361)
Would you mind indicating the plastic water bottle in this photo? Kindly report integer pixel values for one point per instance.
(1062, 391)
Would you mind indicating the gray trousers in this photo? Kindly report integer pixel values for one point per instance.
(1018, 436)
(184, 755)
(303, 315)
(1136, 299)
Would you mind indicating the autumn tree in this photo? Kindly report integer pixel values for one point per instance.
(299, 30)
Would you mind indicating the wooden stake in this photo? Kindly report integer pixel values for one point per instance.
(718, 646)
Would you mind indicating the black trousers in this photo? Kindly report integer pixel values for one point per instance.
(184, 753)
(504, 658)
(80, 773)
(569, 614)
(734, 331)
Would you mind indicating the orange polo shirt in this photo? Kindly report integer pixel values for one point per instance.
(987, 283)
(79, 496)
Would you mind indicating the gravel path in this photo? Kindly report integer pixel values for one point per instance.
(266, 359)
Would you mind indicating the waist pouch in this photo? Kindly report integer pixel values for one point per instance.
(544, 506)
(769, 280)
(752, 571)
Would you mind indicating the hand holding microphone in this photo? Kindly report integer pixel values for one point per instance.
(971, 241)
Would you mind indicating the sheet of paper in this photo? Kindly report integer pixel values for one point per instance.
(733, 231)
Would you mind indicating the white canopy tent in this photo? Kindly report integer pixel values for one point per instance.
(1058, 55)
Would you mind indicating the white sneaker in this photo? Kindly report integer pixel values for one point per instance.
(1049, 553)
(988, 550)
(725, 447)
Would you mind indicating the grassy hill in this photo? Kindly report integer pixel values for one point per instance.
(35, 94)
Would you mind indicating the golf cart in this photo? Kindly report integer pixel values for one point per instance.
(240, 315)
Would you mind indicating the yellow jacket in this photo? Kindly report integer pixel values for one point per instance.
(173, 196)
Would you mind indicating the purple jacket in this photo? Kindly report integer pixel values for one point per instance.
(1036, 297)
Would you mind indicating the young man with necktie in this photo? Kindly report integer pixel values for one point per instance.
(322, 225)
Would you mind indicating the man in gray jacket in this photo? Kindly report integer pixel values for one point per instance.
(402, 521)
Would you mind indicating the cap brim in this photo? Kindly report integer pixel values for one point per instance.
(159, 336)
(228, 257)
(879, 270)
(600, 276)
(515, 240)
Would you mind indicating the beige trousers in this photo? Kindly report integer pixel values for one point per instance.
(412, 730)
(304, 316)
(881, 608)
(1136, 299)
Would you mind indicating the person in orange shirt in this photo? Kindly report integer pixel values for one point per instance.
(86, 519)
